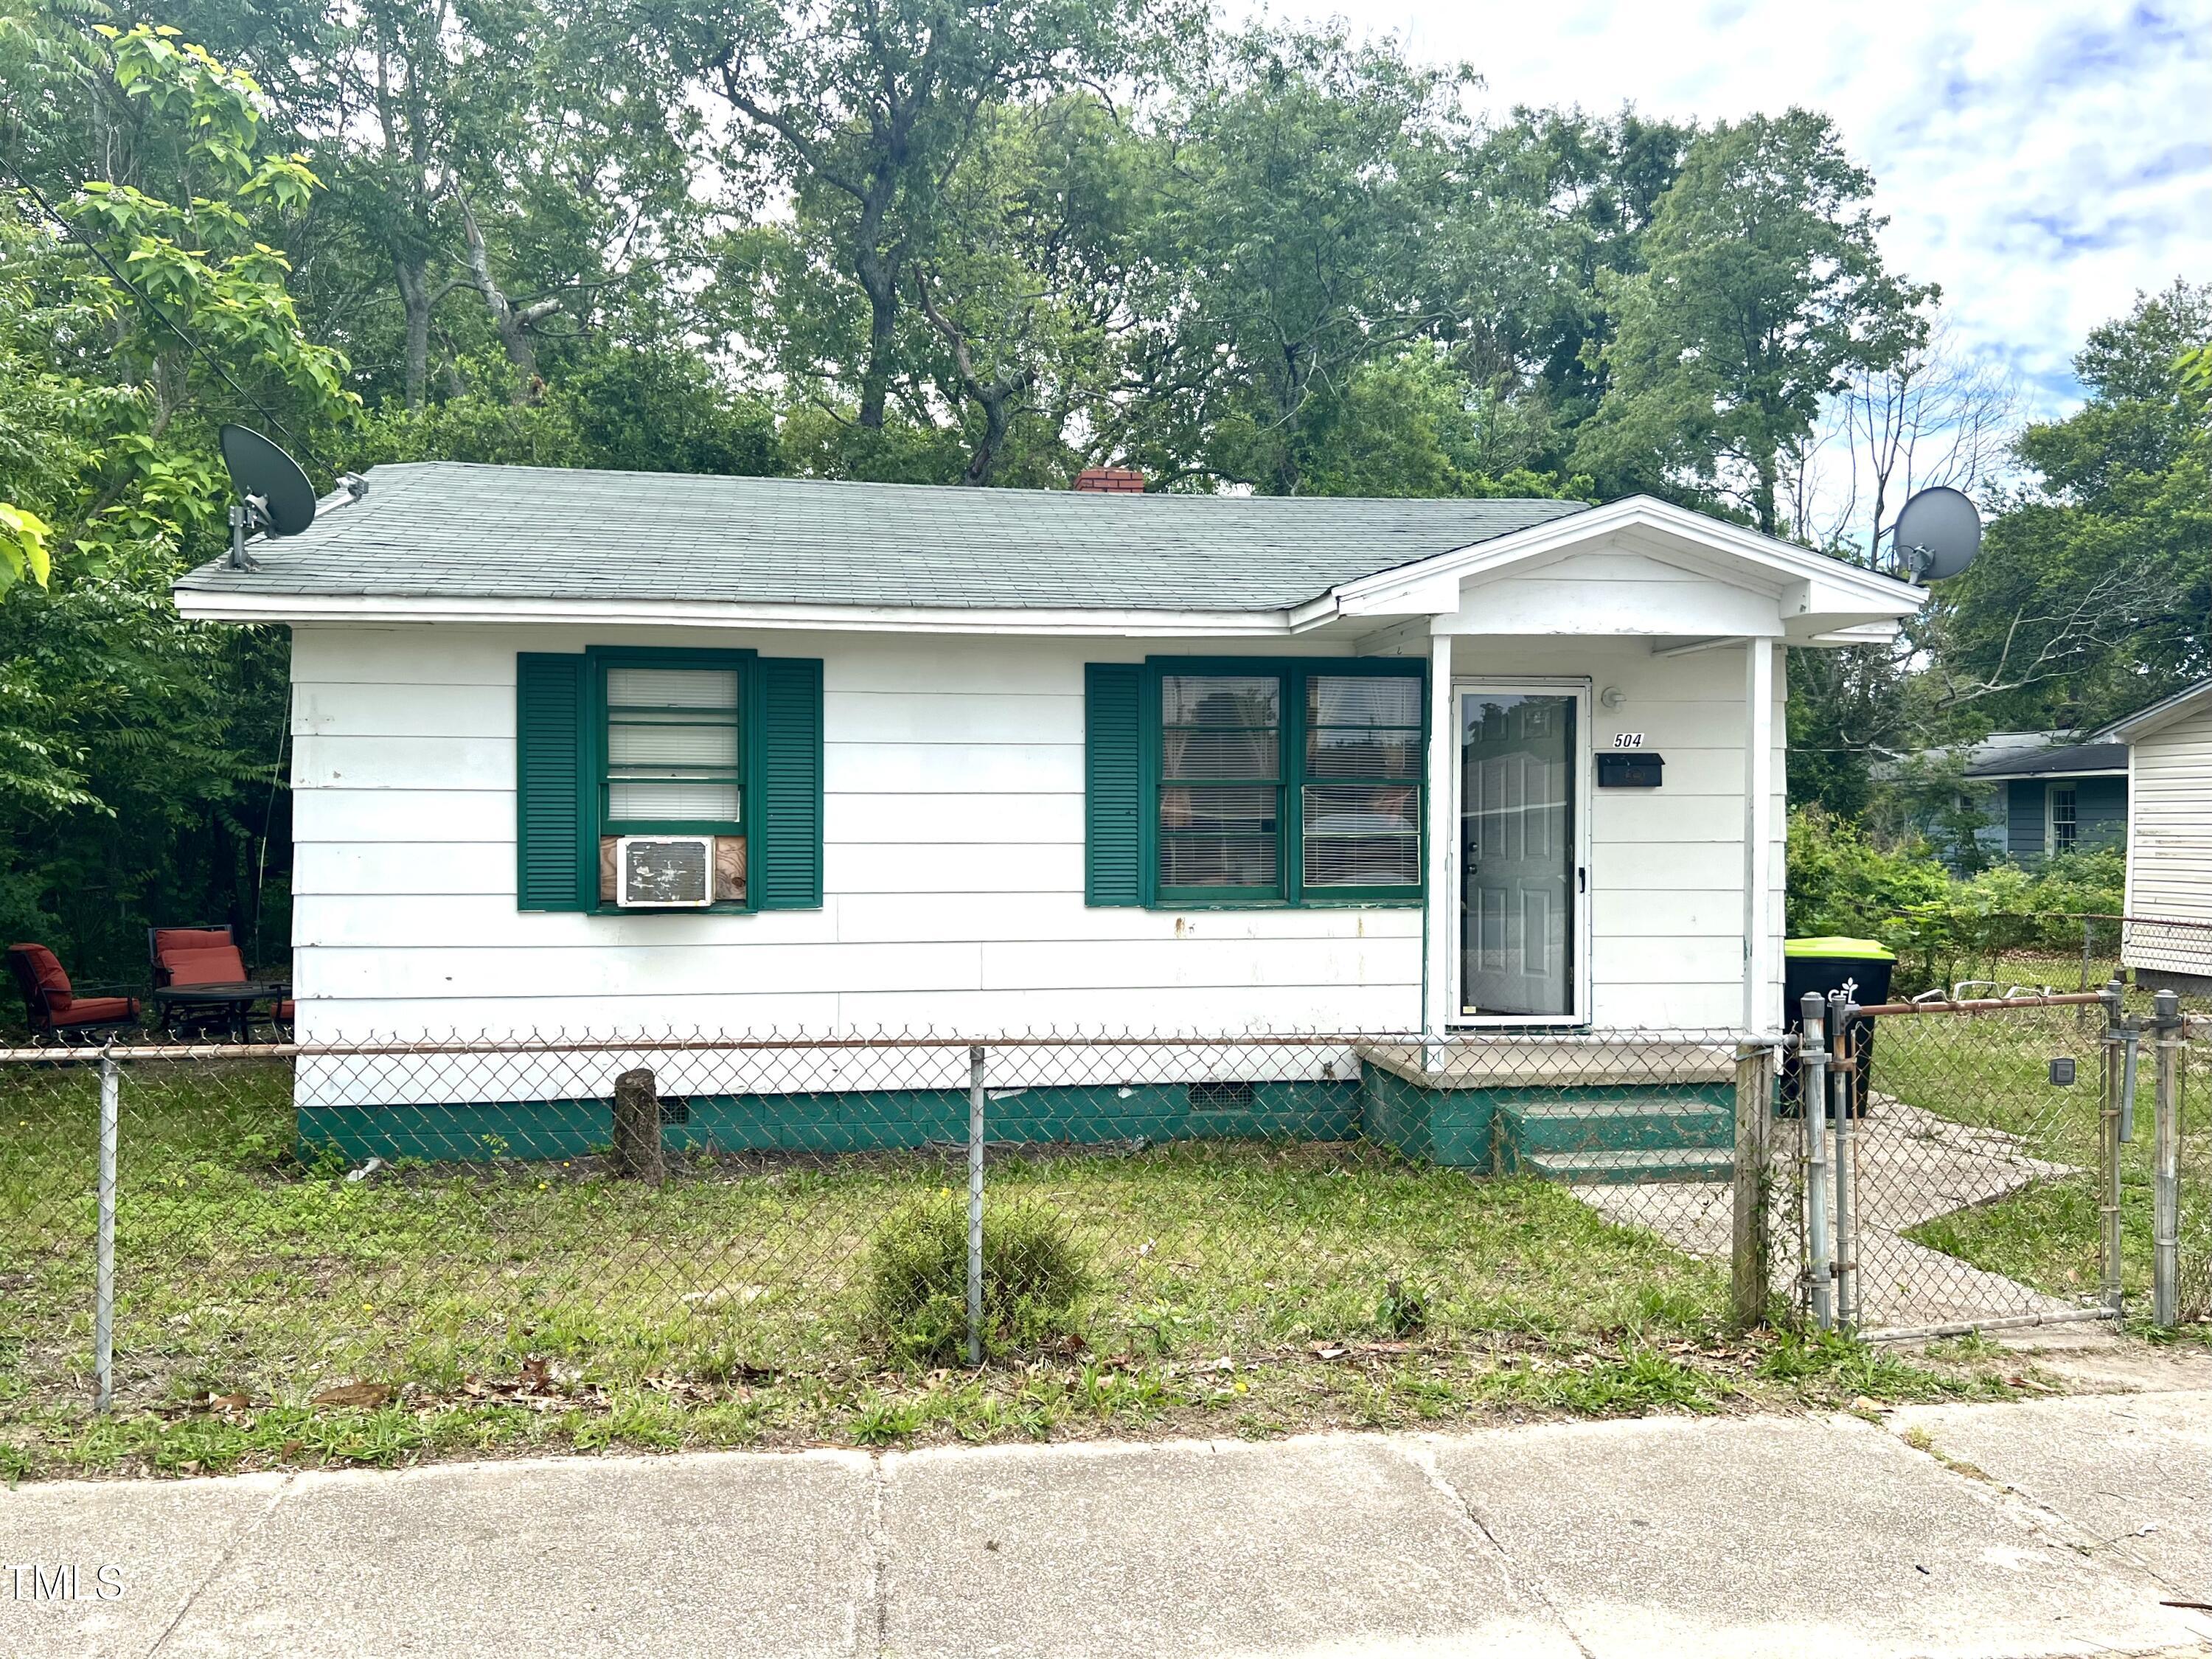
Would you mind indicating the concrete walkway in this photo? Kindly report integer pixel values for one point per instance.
(2051, 1528)
(1912, 1167)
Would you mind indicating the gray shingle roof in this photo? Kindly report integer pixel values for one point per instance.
(444, 529)
(2045, 762)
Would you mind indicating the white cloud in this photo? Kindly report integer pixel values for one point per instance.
(2042, 160)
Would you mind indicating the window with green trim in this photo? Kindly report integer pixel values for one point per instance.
(621, 740)
(673, 755)
(1360, 811)
(1221, 800)
(1284, 782)
(670, 754)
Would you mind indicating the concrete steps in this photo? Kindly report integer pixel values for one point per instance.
(1683, 1164)
(1633, 1138)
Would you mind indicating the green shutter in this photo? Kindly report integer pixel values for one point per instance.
(1113, 784)
(552, 804)
(786, 822)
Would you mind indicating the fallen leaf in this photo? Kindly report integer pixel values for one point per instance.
(228, 1402)
(367, 1395)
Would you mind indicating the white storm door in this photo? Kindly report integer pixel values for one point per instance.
(1521, 871)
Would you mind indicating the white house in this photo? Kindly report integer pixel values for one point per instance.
(2168, 938)
(980, 760)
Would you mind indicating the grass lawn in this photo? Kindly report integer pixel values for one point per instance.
(1246, 1287)
(1992, 1071)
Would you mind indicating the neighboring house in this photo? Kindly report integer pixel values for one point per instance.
(2055, 796)
(980, 760)
(2169, 747)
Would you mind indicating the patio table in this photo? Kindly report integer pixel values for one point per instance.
(226, 1004)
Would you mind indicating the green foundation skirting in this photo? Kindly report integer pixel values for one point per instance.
(1671, 1131)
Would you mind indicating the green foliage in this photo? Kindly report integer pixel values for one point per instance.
(137, 752)
(1943, 927)
(1841, 884)
(1402, 1309)
(1763, 287)
(1033, 1279)
(2092, 595)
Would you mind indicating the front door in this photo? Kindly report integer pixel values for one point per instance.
(1520, 867)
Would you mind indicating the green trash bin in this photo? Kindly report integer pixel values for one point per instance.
(1825, 965)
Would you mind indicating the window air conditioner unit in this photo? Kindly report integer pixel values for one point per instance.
(664, 873)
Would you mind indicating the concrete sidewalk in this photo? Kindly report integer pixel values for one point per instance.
(2057, 1527)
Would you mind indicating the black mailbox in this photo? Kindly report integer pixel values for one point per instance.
(1630, 771)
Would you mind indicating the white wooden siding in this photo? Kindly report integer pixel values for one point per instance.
(953, 858)
(2170, 846)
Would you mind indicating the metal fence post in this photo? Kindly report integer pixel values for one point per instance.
(976, 1205)
(2119, 1089)
(1843, 1081)
(103, 1313)
(1813, 1114)
(1751, 1254)
(2165, 1188)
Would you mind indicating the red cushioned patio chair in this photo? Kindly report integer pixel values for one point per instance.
(57, 1011)
(186, 957)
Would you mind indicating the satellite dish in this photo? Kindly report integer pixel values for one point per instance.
(277, 493)
(1937, 533)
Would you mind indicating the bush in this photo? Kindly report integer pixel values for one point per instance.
(1943, 927)
(1842, 882)
(1033, 1280)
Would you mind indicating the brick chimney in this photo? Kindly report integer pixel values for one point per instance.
(1110, 481)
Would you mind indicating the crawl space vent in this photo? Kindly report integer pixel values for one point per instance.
(1222, 1096)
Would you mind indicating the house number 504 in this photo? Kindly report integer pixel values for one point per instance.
(1628, 740)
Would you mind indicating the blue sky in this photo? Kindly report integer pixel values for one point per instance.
(2043, 162)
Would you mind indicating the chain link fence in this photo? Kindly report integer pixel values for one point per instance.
(458, 1216)
(278, 1221)
(1965, 1151)
(1967, 956)
(2186, 1151)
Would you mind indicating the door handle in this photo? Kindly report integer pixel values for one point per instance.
(1582, 879)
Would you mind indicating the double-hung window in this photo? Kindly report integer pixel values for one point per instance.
(625, 740)
(1220, 794)
(674, 752)
(1360, 806)
(1256, 782)
(2064, 813)
(671, 761)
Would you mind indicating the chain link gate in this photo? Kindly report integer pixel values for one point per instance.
(2183, 1167)
(1959, 1162)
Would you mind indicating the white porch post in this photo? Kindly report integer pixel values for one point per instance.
(1758, 832)
(1436, 929)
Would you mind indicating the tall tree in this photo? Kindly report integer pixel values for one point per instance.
(2092, 595)
(1935, 416)
(1305, 180)
(1763, 289)
(137, 749)
(872, 103)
